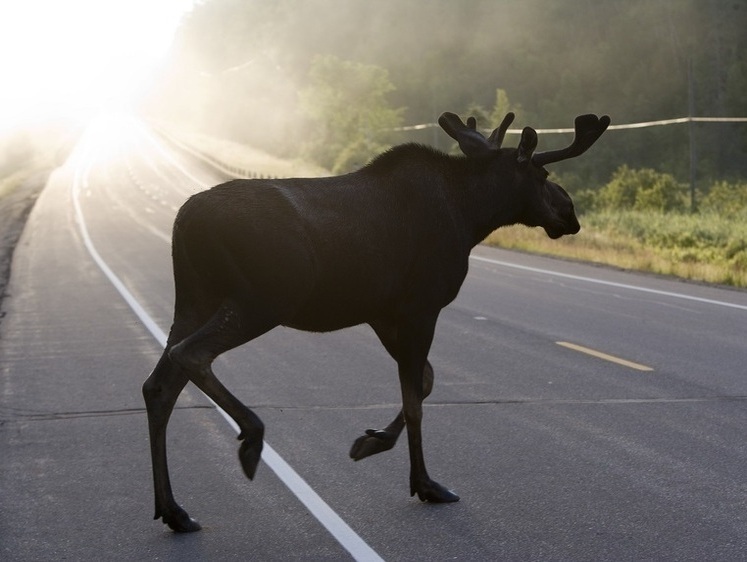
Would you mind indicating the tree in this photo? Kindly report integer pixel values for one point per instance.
(237, 65)
(503, 106)
(346, 105)
(490, 119)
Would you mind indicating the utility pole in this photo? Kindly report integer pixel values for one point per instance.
(691, 131)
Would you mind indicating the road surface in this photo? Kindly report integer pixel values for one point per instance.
(581, 413)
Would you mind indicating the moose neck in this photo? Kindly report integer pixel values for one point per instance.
(489, 198)
(477, 194)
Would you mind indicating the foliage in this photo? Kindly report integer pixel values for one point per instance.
(726, 199)
(644, 189)
(490, 119)
(238, 65)
(503, 106)
(15, 151)
(318, 78)
(346, 103)
(487, 120)
(36, 146)
(705, 238)
(639, 221)
(704, 247)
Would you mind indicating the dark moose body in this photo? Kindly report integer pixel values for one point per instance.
(387, 246)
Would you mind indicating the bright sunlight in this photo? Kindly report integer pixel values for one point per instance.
(72, 58)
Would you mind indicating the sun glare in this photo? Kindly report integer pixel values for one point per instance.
(71, 58)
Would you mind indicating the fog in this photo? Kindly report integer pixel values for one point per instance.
(239, 68)
(339, 80)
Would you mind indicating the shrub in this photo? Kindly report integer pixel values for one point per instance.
(642, 190)
(728, 199)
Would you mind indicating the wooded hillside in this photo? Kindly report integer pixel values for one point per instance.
(253, 71)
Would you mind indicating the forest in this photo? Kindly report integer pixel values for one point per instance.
(335, 80)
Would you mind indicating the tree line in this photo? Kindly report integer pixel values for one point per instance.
(335, 80)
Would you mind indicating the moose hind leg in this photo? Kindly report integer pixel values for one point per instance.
(376, 441)
(231, 326)
(160, 392)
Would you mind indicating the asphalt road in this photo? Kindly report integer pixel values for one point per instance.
(581, 413)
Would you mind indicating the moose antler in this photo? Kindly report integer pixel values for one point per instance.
(471, 142)
(588, 129)
(497, 136)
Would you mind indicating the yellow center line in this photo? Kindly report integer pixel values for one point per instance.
(606, 357)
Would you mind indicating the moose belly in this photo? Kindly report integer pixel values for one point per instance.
(336, 308)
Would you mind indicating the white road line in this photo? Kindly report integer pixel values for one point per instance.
(340, 530)
(610, 283)
(170, 157)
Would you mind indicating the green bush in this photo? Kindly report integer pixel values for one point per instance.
(705, 237)
(641, 190)
(728, 199)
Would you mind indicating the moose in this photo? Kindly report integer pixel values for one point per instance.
(387, 245)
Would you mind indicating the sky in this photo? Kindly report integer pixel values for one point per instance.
(73, 57)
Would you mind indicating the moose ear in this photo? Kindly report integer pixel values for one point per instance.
(527, 145)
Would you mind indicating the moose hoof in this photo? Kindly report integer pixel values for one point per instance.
(433, 492)
(181, 522)
(373, 442)
(249, 455)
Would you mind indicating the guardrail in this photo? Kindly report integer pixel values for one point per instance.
(230, 170)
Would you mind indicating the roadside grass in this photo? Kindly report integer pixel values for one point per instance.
(9, 183)
(24, 153)
(14, 176)
(701, 247)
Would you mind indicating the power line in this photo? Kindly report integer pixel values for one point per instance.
(641, 125)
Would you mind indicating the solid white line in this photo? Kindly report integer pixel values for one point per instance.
(340, 530)
(610, 283)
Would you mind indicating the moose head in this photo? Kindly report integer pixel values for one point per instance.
(552, 209)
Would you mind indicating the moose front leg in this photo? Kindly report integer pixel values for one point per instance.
(414, 342)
